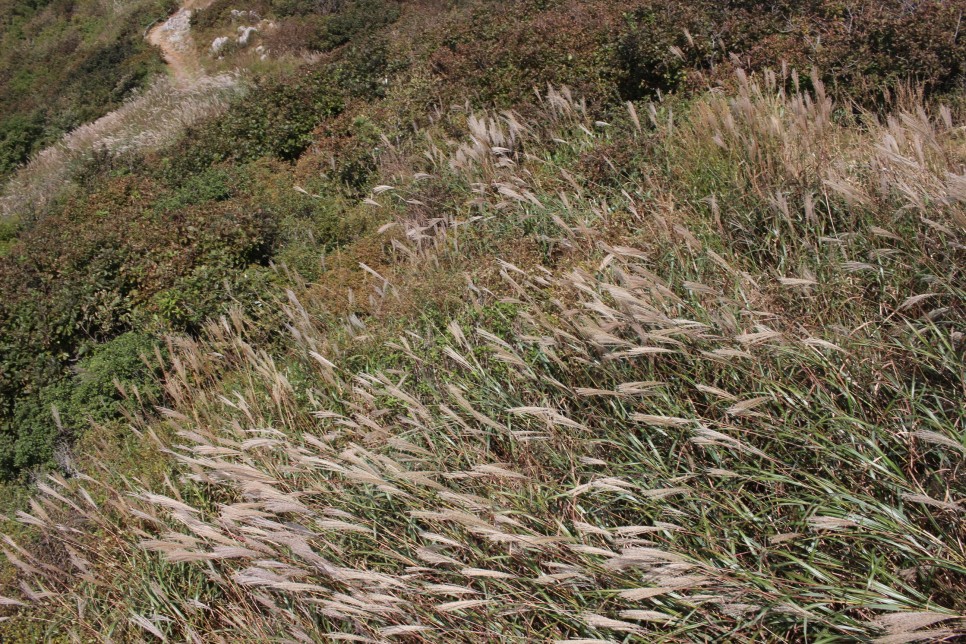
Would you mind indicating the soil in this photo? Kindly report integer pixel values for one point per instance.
(173, 38)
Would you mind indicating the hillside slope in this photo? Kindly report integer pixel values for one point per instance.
(65, 63)
(573, 321)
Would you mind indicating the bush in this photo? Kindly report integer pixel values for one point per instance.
(20, 135)
(8, 235)
(214, 184)
(365, 69)
(503, 51)
(871, 46)
(207, 292)
(89, 274)
(275, 119)
(93, 392)
(644, 61)
(362, 17)
(34, 430)
(60, 410)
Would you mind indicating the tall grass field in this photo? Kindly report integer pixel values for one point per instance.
(687, 367)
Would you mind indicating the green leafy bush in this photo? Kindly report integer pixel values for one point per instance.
(214, 184)
(8, 235)
(32, 433)
(365, 69)
(87, 275)
(127, 359)
(354, 149)
(644, 61)
(362, 17)
(502, 52)
(55, 413)
(207, 292)
(275, 119)
(19, 136)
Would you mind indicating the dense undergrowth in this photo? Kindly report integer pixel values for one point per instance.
(560, 367)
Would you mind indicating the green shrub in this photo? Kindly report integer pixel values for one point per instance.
(278, 118)
(8, 235)
(215, 184)
(93, 393)
(58, 411)
(357, 156)
(20, 135)
(503, 51)
(209, 291)
(32, 431)
(275, 119)
(365, 69)
(645, 64)
(362, 17)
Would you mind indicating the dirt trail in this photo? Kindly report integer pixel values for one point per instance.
(173, 38)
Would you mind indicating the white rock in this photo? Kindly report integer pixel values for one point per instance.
(244, 15)
(246, 34)
(219, 43)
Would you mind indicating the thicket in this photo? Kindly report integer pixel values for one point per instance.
(127, 257)
(633, 50)
(275, 120)
(161, 244)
